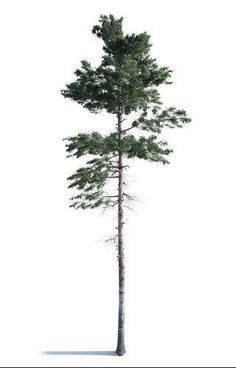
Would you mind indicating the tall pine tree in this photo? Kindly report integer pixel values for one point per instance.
(125, 82)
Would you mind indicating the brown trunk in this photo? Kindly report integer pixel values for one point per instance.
(120, 350)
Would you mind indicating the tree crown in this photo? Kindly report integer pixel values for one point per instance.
(126, 81)
(127, 75)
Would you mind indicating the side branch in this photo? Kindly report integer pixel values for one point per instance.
(126, 130)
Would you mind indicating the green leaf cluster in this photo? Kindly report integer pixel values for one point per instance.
(147, 148)
(89, 182)
(170, 118)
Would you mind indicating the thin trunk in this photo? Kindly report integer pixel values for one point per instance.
(120, 350)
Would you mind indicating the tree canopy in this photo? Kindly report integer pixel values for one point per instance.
(125, 82)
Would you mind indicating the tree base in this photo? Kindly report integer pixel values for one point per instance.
(120, 351)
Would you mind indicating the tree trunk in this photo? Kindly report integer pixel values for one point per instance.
(120, 350)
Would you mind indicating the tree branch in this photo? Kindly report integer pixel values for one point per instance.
(112, 239)
(126, 130)
(110, 196)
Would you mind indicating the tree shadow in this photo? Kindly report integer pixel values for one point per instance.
(81, 352)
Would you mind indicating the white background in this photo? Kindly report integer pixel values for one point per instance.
(58, 280)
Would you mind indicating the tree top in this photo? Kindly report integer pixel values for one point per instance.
(127, 77)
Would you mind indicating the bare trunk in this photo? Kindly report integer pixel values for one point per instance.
(120, 350)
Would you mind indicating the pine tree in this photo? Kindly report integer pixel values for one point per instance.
(125, 82)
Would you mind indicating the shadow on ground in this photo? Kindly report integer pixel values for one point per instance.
(91, 352)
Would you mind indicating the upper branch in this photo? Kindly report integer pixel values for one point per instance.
(170, 117)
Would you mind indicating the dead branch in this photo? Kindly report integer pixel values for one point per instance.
(112, 239)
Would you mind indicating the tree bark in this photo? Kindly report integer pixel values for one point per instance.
(120, 350)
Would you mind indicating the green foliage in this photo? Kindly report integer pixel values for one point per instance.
(95, 144)
(170, 118)
(125, 82)
(145, 148)
(127, 74)
(90, 181)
